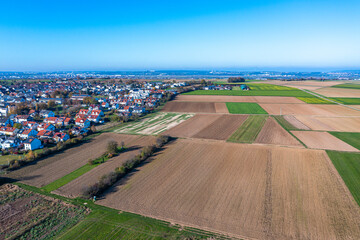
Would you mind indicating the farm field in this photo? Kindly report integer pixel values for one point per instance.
(270, 192)
(312, 100)
(335, 92)
(27, 215)
(154, 125)
(347, 101)
(244, 108)
(195, 107)
(309, 85)
(273, 133)
(323, 140)
(340, 124)
(281, 93)
(221, 128)
(74, 188)
(351, 138)
(249, 130)
(309, 109)
(218, 98)
(56, 166)
(348, 85)
(290, 123)
(348, 166)
(192, 126)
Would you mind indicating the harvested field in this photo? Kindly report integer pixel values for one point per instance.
(222, 128)
(340, 124)
(192, 126)
(221, 108)
(295, 122)
(309, 109)
(247, 191)
(255, 99)
(273, 133)
(336, 92)
(56, 166)
(323, 140)
(190, 107)
(75, 187)
(155, 124)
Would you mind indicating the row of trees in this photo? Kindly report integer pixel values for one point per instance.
(235, 79)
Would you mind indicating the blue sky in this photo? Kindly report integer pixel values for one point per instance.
(133, 35)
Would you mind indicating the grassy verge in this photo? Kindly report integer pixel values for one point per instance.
(249, 130)
(348, 166)
(347, 101)
(245, 108)
(314, 100)
(352, 139)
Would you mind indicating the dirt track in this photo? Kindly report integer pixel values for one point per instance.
(75, 187)
(195, 107)
(245, 190)
(273, 133)
(255, 99)
(323, 140)
(61, 164)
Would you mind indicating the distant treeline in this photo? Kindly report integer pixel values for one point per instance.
(235, 79)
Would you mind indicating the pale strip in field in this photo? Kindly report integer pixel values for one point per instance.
(244, 190)
(295, 122)
(309, 109)
(339, 92)
(195, 107)
(340, 124)
(323, 140)
(273, 133)
(255, 99)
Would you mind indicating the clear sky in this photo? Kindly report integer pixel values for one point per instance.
(132, 35)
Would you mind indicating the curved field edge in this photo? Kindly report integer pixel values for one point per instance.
(348, 166)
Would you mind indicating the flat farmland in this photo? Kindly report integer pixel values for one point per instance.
(155, 124)
(74, 188)
(192, 126)
(58, 165)
(221, 128)
(336, 92)
(323, 140)
(218, 98)
(194, 107)
(309, 109)
(246, 191)
(273, 133)
(245, 108)
(340, 124)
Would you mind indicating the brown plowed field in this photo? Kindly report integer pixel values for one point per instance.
(255, 99)
(295, 122)
(190, 107)
(192, 126)
(340, 124)
(221, 108)
(61, 164)
(273, 133)
(323, 140)
(338, 92)
(75, 187)
(222, 128)
(247, 191)
(309, 109)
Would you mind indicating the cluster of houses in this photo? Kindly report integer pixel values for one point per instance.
(243, 87)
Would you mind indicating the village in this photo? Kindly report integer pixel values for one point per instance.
(34, 115)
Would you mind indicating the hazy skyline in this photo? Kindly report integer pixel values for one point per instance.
(113, 35)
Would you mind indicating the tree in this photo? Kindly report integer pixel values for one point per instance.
(112, 147)
(51, 104)
(115, 118)
(236, 79)
(17, 125)
(93, 128)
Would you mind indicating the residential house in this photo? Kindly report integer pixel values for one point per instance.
(45, 134)
(46, 126)
(46, 113)
(61, 137)
(22, 118)
(9, 131)
(82, 122)
(32, 144)
(26, 133)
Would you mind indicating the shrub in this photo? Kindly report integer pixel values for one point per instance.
(112, 147)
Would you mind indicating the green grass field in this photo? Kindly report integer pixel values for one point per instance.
(347, 101)
(348, 166)
(348, 85)
(249, 130)
(7, 158)
(352, 139)
(314, 100)
(245, 108)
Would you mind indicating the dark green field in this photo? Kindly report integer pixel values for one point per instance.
(347, 101)
(249, 130)
(245, 108)
(348, 85)
(348, 166)
(352, 139)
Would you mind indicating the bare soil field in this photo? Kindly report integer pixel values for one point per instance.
(192, 126)
(323, 140)
(255, 99)
(295, 122)
(273, 133)
(248, 191)
(309, 85)
(61, 164)
(74, 188)
(221, 108)
(222, 128)
(191, 107)
(338, 92)
(309, 109)
(340, 124)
